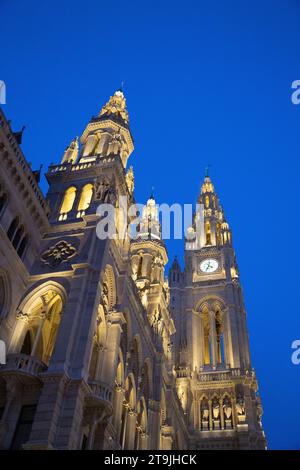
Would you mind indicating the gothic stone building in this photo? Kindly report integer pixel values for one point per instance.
(103, 351)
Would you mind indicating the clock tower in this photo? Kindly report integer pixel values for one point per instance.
(215, 381)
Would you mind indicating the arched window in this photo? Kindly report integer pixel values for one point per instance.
(17, 237)
(206, 202)
(219, 334)
(207, 233)
(219, 235)
(67, 204)
(27, 344)
(12, 228)
(85, 199)
(39, 340)
(22, 246)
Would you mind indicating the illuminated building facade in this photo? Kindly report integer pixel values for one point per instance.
(104, 352)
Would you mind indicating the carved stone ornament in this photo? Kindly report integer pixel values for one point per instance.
(105, 191)
(58, 253)
(116, 106)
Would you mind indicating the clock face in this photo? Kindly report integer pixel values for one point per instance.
(209, 265)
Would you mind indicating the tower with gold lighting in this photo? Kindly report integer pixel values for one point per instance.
(214, 376)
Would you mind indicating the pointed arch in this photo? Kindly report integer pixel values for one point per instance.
(42, 307)
(67, 202)
(85, 199)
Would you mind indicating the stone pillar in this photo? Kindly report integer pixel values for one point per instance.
(233, 334)
(167, 437)
(210, 414)
(201, 340)
(39, 332)
(101, 350)
(44, 429)
(213, 338)
(222, 414)
(115, 320)
(118, 405)
(154, 424)
(143, 438)
(196, 341)
(11, 411)
(22, 321)
(130, 430)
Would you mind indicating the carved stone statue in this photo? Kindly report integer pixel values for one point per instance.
(205, 412)
(101, 189)
(115, 145)
(105, 191)
(104, 298)
(130, 180)
(227, 408)
(216, 408)
(240, 405)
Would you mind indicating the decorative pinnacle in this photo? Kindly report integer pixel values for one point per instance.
(152, 193)
(207, 170)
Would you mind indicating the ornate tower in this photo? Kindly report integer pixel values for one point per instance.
(214, 377)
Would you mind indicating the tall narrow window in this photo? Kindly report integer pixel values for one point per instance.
(206, 201)
(219, 334)
(17, 237)
(67, 203)
(207, 233)
(12, 228)
(27, 344)
(22, 246)
(85, 199)
(219, 235)
(3, 200)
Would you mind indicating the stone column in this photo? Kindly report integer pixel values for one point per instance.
(154, 424)
(99, 359)
(201, 340)
(143, 438)
(43, 317)
(48, 411)
(210, 414)
(222, 414)
(118, 405)
(233, 334)
(11, 411)
(196, 341)
(213, 338)
(115, 321)
(22, 321)
(167, 438)
(130, 430)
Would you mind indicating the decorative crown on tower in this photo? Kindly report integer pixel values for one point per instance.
(115, 108)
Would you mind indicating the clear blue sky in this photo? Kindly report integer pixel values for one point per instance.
(206, 82)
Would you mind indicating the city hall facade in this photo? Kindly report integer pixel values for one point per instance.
(103, 351)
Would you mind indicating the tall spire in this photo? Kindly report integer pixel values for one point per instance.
(71, 152)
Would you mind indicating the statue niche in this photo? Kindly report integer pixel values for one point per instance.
(105, 191)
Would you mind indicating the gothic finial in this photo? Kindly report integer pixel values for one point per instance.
(18, 135)
(152, 193)
(207, 170)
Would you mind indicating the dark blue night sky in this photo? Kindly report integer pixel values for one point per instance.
(205, 82)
